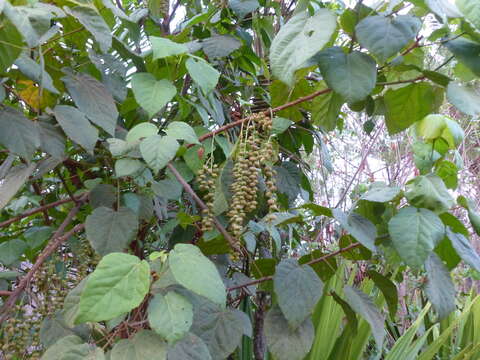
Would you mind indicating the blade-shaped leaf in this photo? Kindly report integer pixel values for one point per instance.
(170, 316)
(415, 233)
(298, 290)
(109, 230)
(464, 249)
(440, 289)
(14, 180)
(297, 41)
(363, 230)
(464, 97)
(119, 284)
(76, 126)
(284, 342)
(197, 273)
(386, 36)
(93, 99)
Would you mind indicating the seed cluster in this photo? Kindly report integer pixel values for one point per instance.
(207, 176)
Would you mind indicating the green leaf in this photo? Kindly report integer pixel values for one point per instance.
(464, 97)
(220, 329)
(52, 140)
(429, 191)
(102, 195)
(439, 289)
(10, 47)
(464, 249)
(94, 23)
(284, 342)
(362, 229)
(170, 316)
(415, 233)
(54, 328)
(203, 74)
(119, 284)
(431, 126)
(388, 289)
(19, 135)
(298, 290)
(127, 167)
(11, 251)
(364, 306)
(182, 131)
(243, 7)
(152, 94)
(280, 124)
(76, 126)
(168, 188)
(145, 344)
(35, 72)
(191, 347)
(386, 36)
(409, 104)
(163, 47)
(14, 180)
(71, 347)
(447, 171)
(352, 75)
(197, 273)
(93, 99)
(381, 193)
(72, 302)
(471, 10)
(326, 110)
(467, 52)
(158, 151)
(141, 131)
(220, 45)
(109, 230)
(22, 24)
(297, 41)
(142, 205)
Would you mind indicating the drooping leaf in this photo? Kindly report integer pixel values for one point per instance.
(467, 52)
(93, 99)
(386, 36)
(71, 303)
(464, 97)
(9, 49)
(102, 195)
(388, 289)
(11, 250)
(203, 74)
(471, 10)
(73, 347)
(170, 316)
(220, 329)
(448, 172)
(163, 47)
(109, 230)
(297, 41)
(197, 273)
(142, 205)
(439, 289)
(158, 150)
(220, 45)
(94, 23)
(76, 126)
(409, 104)
(351, 75)
(152, 94)
(145, 344)
(182, 131)
(362, 229)
(52, 140)
(19, 135)
(35, 72)
(429, 191)
(364, 306)
(326, 109)
(191, 347)
(464, 249)
(381, 193)
(118, 285)
(415, 233)
(284, 342)
(14, 180)
(298, 289)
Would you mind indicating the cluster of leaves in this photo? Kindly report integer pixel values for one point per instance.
(107, 115)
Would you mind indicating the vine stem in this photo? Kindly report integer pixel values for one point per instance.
(203, 206)
(311, 262)
(56, 240)
(37, 210)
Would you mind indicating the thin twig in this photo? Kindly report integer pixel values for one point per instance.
(56, 240)
(311, 262)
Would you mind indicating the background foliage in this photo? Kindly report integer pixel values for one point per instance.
(247, 179)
